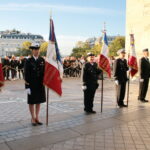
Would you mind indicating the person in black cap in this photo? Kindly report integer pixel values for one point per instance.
(144, 71)
(90, 82)
(120, 69)
(34, 73)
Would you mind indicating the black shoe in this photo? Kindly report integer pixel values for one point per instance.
(33, 123)
(93, 112)
(90, 112)
(123, 105)
(145, 101)
(39, 123)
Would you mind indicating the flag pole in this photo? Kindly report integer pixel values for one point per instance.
(128, 89)
(102, 83)
(47, 110)
(47, 96)
(102, 90)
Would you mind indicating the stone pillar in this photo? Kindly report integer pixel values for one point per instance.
(138, 22)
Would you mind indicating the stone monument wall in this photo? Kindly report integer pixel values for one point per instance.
(138, 22)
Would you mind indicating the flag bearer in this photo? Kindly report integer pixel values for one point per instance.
(34, 73)
(90, 82)
(120, 69)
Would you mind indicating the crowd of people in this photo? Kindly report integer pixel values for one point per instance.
(13, 67)
(73, 66)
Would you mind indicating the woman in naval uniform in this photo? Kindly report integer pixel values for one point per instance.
(34, 73)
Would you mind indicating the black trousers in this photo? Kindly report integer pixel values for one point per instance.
(89, 94)
(120, 92)
(20, 71)
(6, 73)
(143, 89)
(13, 73)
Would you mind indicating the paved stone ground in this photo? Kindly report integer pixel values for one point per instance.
(69, 128)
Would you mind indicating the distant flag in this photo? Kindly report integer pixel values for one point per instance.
(104, 62)
(53, 65)
(1, 75)
(132, 62)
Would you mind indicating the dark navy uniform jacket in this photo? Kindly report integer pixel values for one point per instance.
(91, 74)
(34, 74)
(120, 70)
(144, 68)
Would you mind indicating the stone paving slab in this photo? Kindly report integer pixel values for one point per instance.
(96, 126)
(115, 127)
(141, 113)
(133, 135)
(4, 146)
(13, 132)
(44, 139)
(85, 129)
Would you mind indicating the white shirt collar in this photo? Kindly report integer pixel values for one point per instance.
(35, 57)
(122, 59)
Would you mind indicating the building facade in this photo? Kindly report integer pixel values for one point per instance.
(11, 41)
(94, 41)
(138, 23)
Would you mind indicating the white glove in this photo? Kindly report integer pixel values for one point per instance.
(116, 82)
(28, 91)
(84, 87)
(130, 69)
(141, 80)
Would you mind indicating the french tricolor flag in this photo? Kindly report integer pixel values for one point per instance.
(53, 64)
(132, 62)
(104, 62)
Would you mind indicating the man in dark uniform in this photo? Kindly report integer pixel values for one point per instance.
(144, 70)
(90, 82)
(34, 73)
(120, 69)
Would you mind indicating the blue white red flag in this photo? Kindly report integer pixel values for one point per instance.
(53, 64)
(104, 62)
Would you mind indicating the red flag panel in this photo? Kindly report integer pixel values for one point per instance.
(52, 78)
